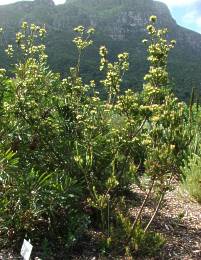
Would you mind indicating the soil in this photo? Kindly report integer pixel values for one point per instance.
(179, 221)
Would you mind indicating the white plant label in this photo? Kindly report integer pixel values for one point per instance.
(26, 250)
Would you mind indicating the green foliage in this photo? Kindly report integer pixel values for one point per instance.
(76, 153)
(142, 244)
(192, 177)
(115, 28)
(41, 198)
(191, 171)
(195, 122)
(40, 206)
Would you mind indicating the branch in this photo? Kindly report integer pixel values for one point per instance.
(141, 208)
(155, 212)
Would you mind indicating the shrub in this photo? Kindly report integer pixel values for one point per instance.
(42, 197)
(191, 171)
(77, 152)
(192, 177)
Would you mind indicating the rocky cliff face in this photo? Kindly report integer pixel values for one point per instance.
(120, 24)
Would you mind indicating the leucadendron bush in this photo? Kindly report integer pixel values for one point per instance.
(69, 158)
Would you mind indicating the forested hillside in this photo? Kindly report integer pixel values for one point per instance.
(119, 25)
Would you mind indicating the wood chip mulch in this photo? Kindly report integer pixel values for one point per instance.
(180, 221)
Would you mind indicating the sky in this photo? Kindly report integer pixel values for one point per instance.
(3, 2)
(187, 13)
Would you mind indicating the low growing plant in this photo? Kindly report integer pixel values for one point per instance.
(192, 177)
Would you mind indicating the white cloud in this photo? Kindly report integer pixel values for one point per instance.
(59, 1)
(198, 21)
(4, 2)
(181, 3)
(190, 17)
(193, 19)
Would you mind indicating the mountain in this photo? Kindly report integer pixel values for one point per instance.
(119, 24)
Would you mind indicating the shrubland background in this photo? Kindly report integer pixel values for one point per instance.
(120, 25)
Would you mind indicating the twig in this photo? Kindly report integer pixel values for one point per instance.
(141, 208)
(156, 211)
